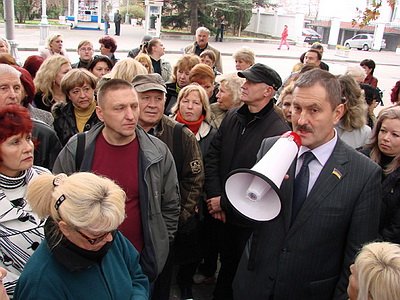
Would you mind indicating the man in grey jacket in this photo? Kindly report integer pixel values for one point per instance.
(141, 164)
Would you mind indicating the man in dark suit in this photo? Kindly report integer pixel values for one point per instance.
(305, 252)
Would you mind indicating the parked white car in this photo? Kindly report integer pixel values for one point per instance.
(363, 41)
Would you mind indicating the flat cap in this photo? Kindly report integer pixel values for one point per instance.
(149, 82)
(262, 73)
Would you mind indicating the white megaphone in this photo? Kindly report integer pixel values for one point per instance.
(255, 192)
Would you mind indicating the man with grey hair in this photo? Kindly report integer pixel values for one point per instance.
(11, 91)
(201, 44)
(188, 160)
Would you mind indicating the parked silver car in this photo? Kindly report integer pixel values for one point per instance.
(363, 41)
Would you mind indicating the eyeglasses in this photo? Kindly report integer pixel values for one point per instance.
(98, 239)
(85, 49)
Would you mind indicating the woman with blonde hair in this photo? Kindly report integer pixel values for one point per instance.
(54, 46)
(384, 149)
(357, 72)
(126, 69)
(375, 274)
(193, 110)
(352, 128)
(285, 103)
(244, 58)
(145, 60)
(83, 255)
(48, 82)
(228, 97)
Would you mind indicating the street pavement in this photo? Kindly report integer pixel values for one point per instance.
(387, 71)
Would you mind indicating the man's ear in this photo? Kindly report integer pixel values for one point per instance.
(339, 112)
(99, 113)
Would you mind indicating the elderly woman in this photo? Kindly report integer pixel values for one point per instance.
(384, 149)
(108, 46)
(83, 255)
(100, 66)
(48, 82)
(21, 231)
(155, 49)
(180, 79)
(192, 109)
(205, 76)
(54, 46)
(78, 114)
(375, 274)
(228, 97)
(357, 72)
(352, 128)
(244, 58)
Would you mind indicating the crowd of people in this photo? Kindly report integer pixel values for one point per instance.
(113, 171)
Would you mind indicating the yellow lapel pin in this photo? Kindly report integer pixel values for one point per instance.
(337, 173)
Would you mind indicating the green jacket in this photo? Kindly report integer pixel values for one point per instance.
(158, 190)
(117, 276)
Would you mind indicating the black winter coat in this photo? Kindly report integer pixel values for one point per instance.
(65, 122)
(236, 145)
(390, 218)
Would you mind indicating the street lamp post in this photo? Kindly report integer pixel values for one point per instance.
(44, 25)
(10, 25)
(127, 12)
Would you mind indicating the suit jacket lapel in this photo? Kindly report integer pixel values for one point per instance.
(330, 176)
(287, 196)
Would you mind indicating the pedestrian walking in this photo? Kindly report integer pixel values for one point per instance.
(106, 23)
(284, 36)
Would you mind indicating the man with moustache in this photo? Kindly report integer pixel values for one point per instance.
(306, 251)
(141, 164)
(235, 146)
(201, 44)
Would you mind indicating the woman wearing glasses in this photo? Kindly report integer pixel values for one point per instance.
(83, 255)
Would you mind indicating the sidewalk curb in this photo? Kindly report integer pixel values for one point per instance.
(327, 59)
